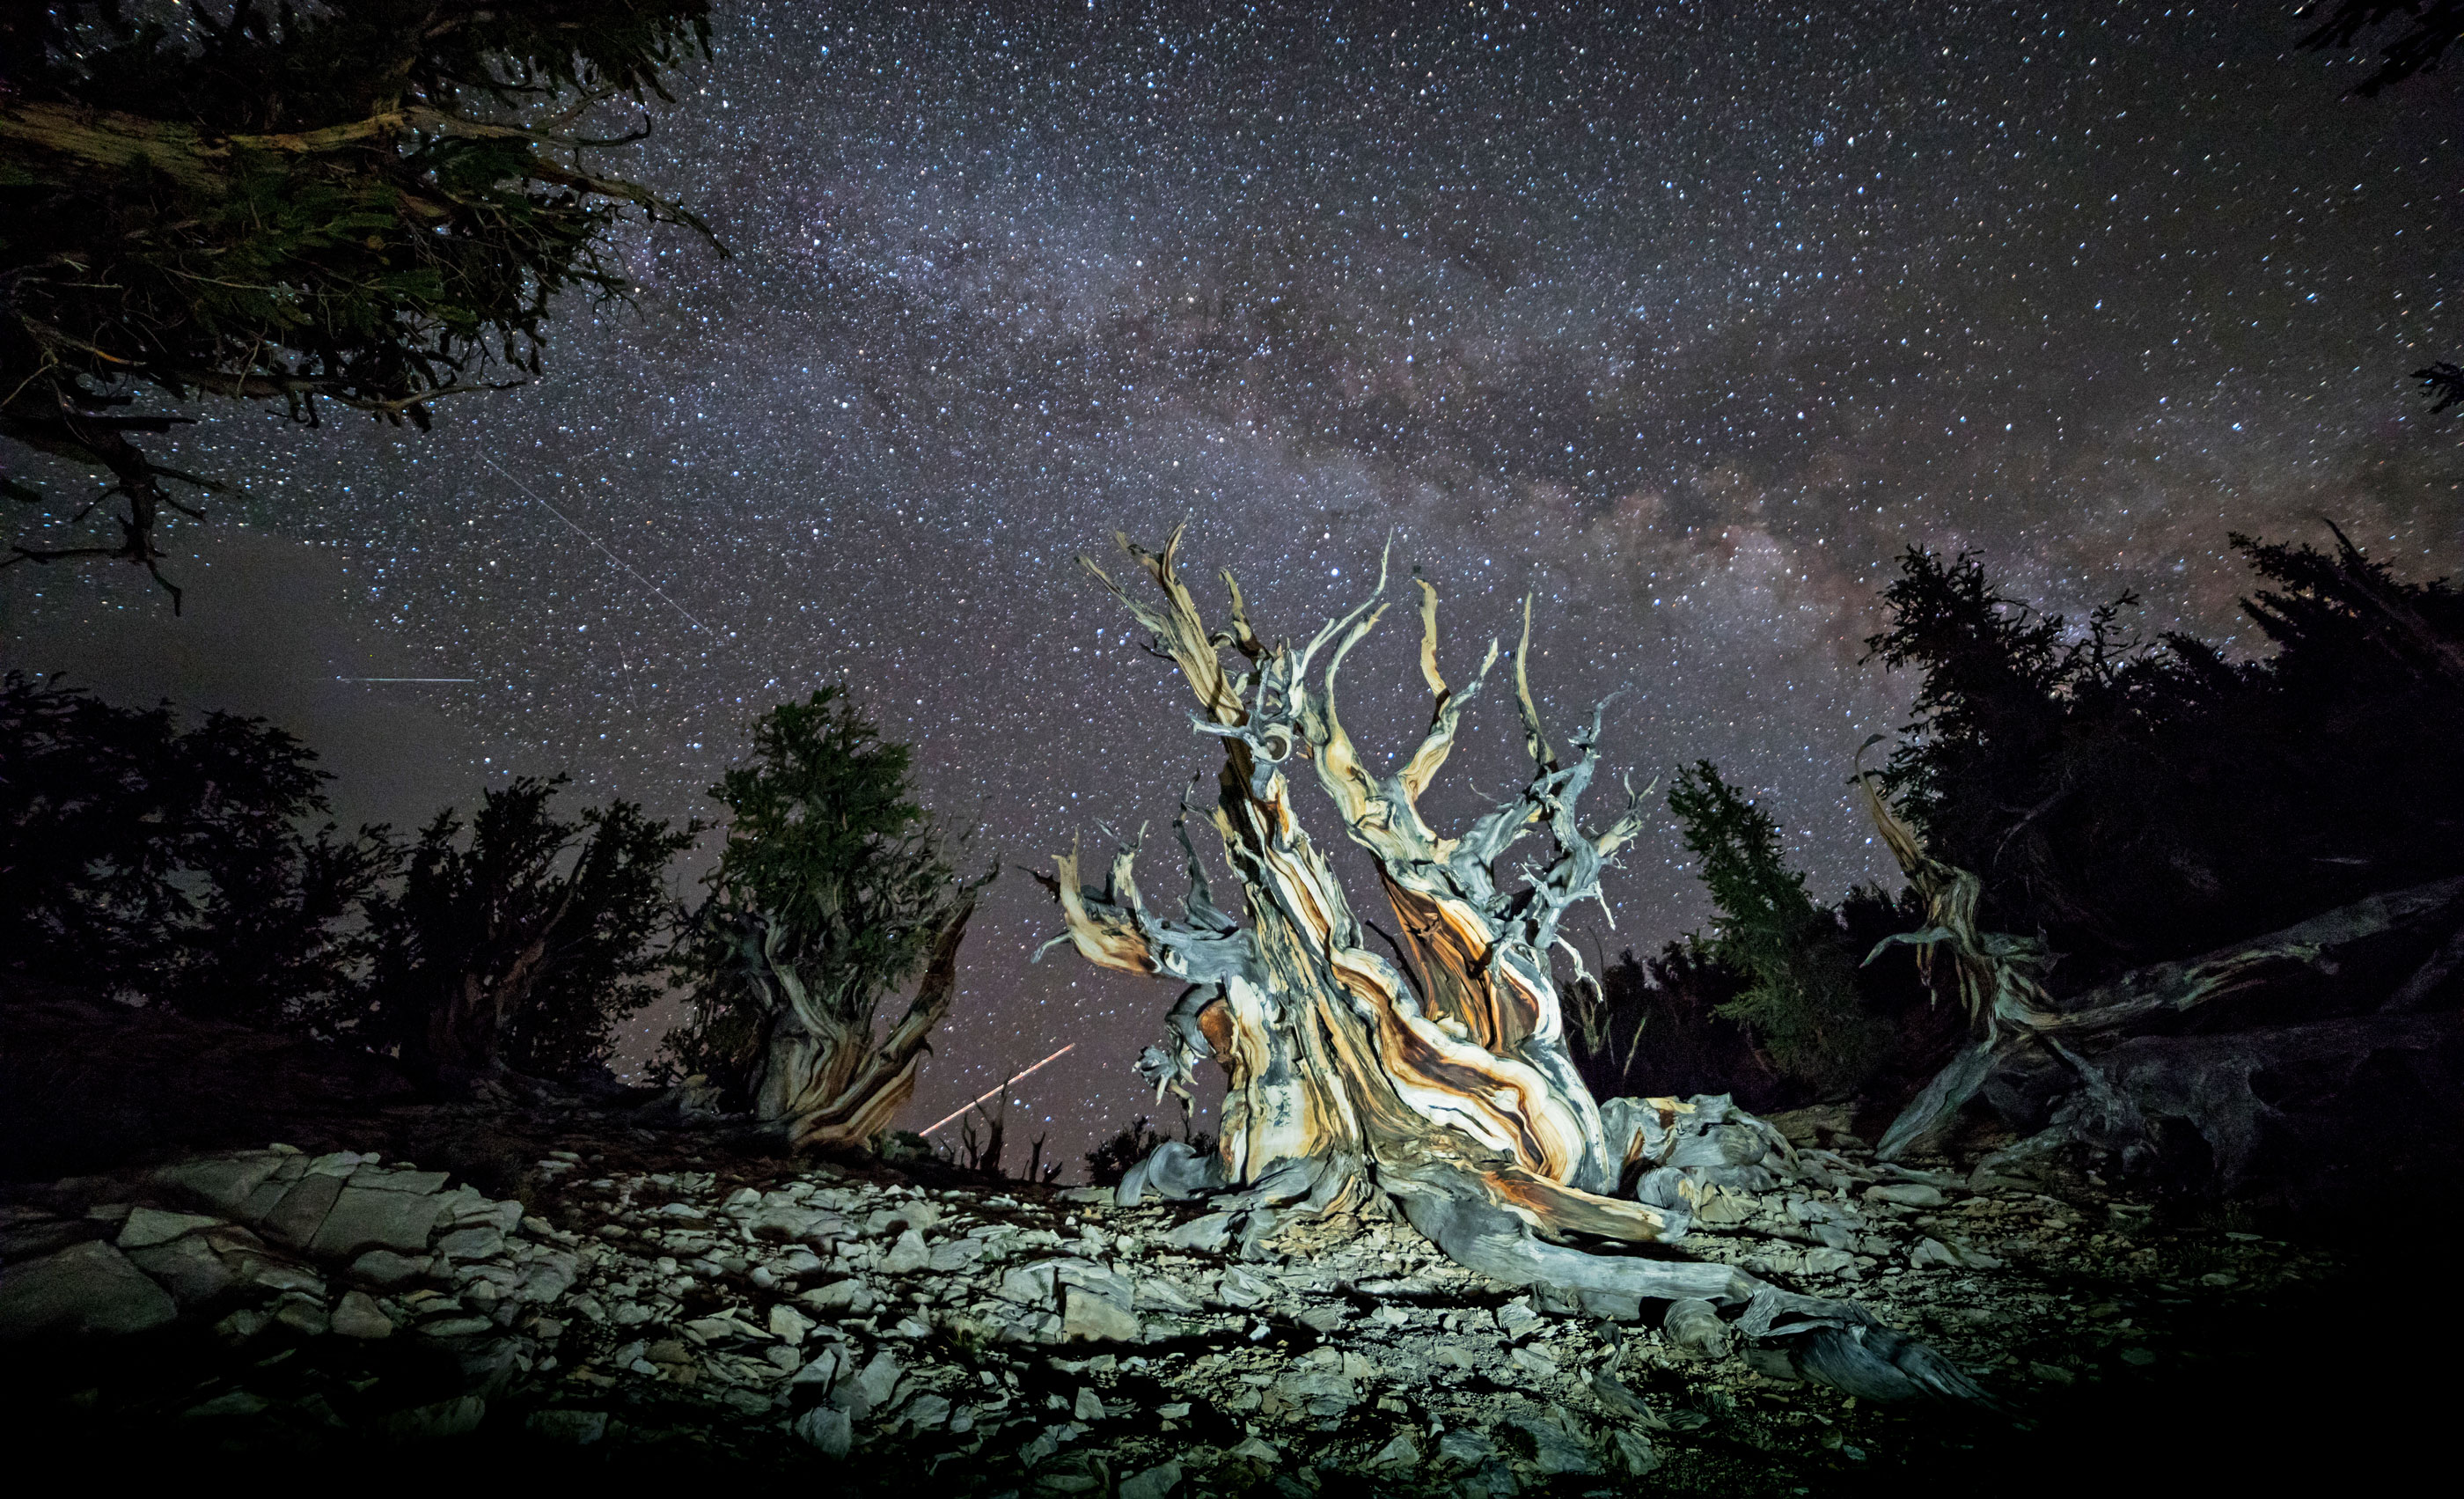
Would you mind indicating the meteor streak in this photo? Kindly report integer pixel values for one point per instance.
(987, 1093)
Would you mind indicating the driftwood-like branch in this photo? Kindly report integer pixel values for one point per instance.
(1441, 1077)
(2116, 1080)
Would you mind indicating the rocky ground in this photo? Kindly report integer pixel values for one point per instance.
(867, 1330)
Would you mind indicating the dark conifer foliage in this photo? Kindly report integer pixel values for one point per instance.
(833, 889)
(2137, 803)
(1667, 1033)
(523, 940)
(367, 204)
(1799, 997)
(183, 865)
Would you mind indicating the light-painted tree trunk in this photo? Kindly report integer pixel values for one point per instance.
(1448, 1088)
(825, 1080)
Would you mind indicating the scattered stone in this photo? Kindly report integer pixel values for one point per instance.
(579, 1428)
(827, 1428)
(458, 1417)
(358, 1316)
(666, 1292)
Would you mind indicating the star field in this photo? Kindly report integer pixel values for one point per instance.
(1685, 319)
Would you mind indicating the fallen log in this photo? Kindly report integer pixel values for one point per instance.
(2099, 1063)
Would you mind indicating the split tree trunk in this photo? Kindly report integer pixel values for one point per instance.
(1451, 1089)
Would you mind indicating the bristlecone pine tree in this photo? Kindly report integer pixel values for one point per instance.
(1450, 1088)
(832, 892)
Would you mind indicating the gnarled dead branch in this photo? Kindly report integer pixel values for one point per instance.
(1443, 1081)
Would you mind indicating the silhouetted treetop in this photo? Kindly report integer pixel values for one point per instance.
(365, 204)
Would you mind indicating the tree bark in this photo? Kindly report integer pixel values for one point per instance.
(825, 1081)
(1455, 1095)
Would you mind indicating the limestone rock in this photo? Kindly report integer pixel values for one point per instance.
(224, 1182)
(482, 1241)
(1154, 1483)
(789, 1324)
(1905, 1194)
(458, 1417)
(145, 1227)
(1210, 1232)
(1632, 1452)
(358, 1316)
(367, 1218)
(189, 1267)
(1402, 1451)
(1557, 1450)
(907, 1256)
(1932, 1254)
(1694, 1329)
(880, 1378)
(296, 1218)
(826, 1428)
(1087, 1316)
(86, 1287)
(576, 1426)
(385, 1268)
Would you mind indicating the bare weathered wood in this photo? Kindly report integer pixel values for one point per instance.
(825, 1080)
(2116, 1084)
(1441, 1078)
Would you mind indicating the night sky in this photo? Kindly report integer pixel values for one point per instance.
(1686, 319)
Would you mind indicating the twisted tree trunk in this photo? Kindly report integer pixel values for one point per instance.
(1451, 1089)
(823, 1078)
